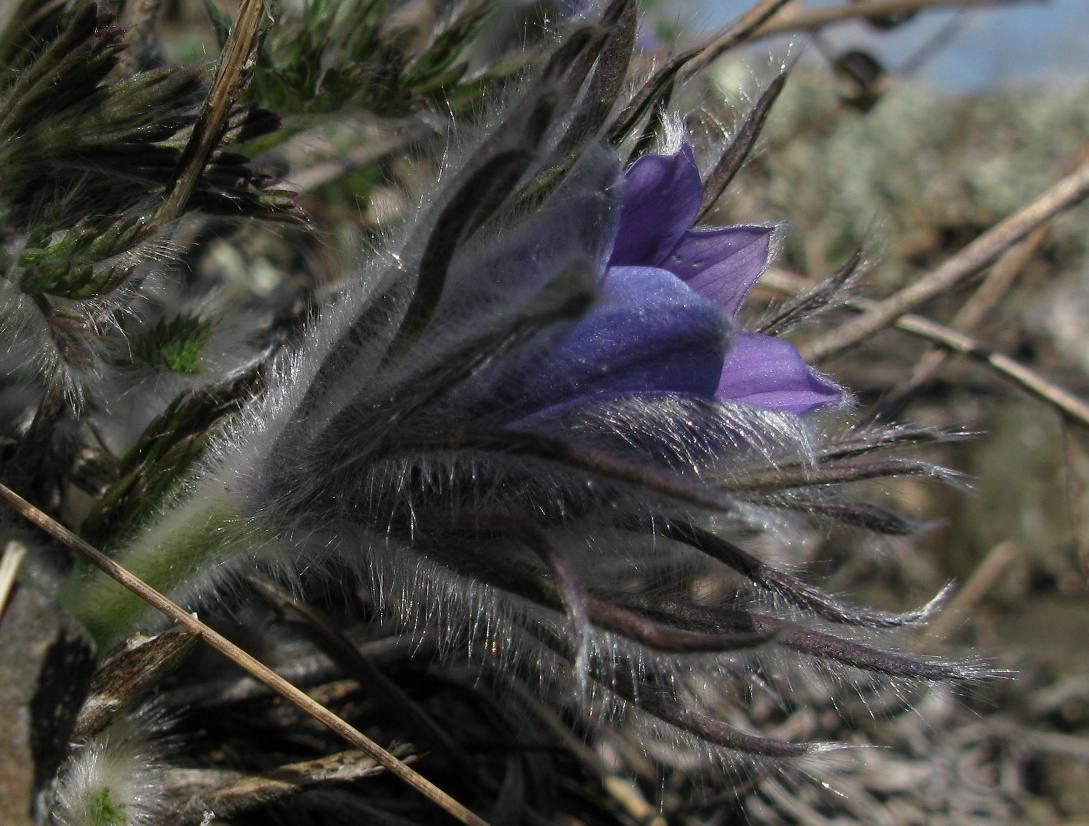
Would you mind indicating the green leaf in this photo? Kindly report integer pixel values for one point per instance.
(165, 451)
(172, 344)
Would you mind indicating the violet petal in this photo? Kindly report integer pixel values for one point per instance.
(769, 372)
(660, 200)
(722, 264)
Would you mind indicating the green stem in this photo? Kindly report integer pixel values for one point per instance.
(171, 556)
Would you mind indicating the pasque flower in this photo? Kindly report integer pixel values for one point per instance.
(661, 198)
(537, 420)
(667, 319)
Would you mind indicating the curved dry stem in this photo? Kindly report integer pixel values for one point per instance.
(814, 643)
(661, 704)
(966, 263)
(812, 19)
(792, 589)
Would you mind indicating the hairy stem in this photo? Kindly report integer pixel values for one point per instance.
(169, 558)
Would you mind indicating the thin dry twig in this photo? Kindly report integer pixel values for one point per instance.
(1072, 407)
(227, 86)
(810, 19)
(329, 639)
(971, 314)
(737, 32)
(983, 578)
(236, 655)
(14, 553)
(967, 318)
(962, 266)
(242, 794)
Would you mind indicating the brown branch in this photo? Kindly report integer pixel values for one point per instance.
(1074, 408)
(227, 86)
(240, 794)
(966, 263)
(239, 657)
(990, 292)
(1071, 406)
(967, 318)
(811, 19)
(14, 552)
(740, 30)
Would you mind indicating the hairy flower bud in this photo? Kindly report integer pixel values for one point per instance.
(536, 426)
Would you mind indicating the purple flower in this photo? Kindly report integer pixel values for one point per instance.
(667, 319)
(648, 333)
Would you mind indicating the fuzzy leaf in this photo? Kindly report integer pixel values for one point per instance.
(163, 454)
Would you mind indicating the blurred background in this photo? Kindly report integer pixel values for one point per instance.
(1020, 46)
(906, 135)
(917, 133)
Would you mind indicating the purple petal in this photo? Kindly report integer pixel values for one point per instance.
(649, 333)
(769, 372)
(660, 200)
(722, 264)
